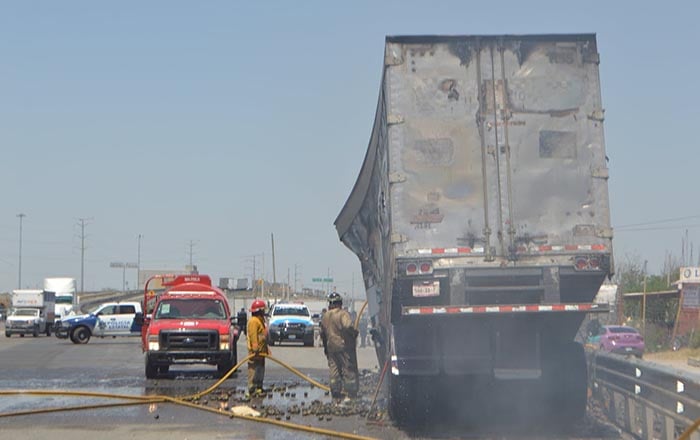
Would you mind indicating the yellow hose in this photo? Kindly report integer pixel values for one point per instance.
(140, 400)
(689, 431)
(357, 319)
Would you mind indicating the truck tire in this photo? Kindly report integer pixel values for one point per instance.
(8, 334)
(223, 367)
(80, 335)
(48, 330)
(151, 369)
(309, 342)
(409, 401)
(566, 379)
(35, 332)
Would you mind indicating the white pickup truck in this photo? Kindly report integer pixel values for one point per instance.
(109, 319)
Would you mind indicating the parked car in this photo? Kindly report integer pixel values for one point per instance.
(618, 339)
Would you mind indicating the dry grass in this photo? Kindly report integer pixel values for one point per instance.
(680, 355)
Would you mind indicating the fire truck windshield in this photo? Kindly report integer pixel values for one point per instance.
(190, 308)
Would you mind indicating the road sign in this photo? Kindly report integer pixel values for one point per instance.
(322, 280)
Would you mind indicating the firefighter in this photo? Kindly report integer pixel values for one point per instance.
(257, 345)
(242, 321)
(339, 338)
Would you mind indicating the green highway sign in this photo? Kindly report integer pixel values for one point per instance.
(322, 280)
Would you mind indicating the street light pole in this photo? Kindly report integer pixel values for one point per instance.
(21, 217)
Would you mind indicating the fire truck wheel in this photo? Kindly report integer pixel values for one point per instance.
(151, 369)
(223, 367)
(80, 335)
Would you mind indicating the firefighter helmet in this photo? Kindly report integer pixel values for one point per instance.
(334, 299)
(257, 306)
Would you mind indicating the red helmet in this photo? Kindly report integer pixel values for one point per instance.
(257, 306)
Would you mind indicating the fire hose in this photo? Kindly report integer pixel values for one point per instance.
(185, 400)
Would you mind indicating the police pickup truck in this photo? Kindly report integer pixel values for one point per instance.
(291, 322)
(109, 319)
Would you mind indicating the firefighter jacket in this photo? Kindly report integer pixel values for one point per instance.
(337, 331)
(257, 335)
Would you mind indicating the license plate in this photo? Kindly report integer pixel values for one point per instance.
(426, 288)
(292, 336)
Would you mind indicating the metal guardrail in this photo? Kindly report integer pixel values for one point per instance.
(648, 400)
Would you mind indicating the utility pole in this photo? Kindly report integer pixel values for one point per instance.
(287, 288)
(19, 281)
(138, 264)
(296, 278)
(82, 222)
(191, 244)
(644, 301)
(274, 272)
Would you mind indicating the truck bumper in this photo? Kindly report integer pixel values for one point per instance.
(189, 357)
(20, 330)
(291, 335)
(61, 332)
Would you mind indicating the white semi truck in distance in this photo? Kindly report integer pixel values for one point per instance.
(66, 295)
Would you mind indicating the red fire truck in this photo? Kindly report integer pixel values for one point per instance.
(190, 322)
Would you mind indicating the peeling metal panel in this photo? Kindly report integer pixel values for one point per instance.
(533, 106)
(487, 142)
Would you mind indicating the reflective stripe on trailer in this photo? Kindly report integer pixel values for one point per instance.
(529, 308)
(543, 248)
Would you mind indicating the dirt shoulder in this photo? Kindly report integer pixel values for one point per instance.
(685, 359)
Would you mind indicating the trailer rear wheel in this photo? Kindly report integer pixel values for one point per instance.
(566, 383)
(409, 400)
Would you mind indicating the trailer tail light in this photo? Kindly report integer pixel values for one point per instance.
(590, 262)
(419, 268)
(581, 263)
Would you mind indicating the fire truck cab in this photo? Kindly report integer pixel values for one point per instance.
(189, 323)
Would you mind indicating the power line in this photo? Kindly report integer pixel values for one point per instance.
(655, 222)
(659, 228)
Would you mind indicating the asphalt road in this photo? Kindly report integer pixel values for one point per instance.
(116, 366)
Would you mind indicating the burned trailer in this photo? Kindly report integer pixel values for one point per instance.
(481, 217)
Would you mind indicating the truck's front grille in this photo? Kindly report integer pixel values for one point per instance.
(189, 340)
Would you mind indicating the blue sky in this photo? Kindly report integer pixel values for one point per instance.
(222, 122)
